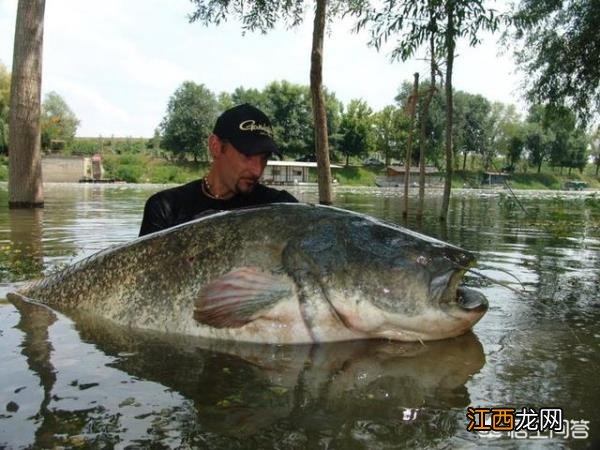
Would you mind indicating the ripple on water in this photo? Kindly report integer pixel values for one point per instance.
(85, 385)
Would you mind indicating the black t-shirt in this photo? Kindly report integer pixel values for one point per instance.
(181, 204)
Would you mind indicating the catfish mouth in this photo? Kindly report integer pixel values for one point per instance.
(467, 299)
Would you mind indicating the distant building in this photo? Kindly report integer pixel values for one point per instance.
(575, 185)
(289, 172)
(494, 178)
(71, 169)
(395, 176)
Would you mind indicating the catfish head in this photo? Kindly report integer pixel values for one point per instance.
(384, 281)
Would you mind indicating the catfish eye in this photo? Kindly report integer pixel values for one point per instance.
(423, 260)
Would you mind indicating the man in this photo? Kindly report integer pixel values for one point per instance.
(240, 145)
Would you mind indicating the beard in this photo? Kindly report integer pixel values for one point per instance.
(245, 185)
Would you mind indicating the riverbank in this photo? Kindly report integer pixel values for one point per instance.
(140, 168)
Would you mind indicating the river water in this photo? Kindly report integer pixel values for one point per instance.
(90, 384)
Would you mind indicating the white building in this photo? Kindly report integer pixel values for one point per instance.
(289, 172)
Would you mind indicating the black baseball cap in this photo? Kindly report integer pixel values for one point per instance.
(248, 129)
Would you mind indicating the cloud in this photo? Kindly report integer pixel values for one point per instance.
(97, 114)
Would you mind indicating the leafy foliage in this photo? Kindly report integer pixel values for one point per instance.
(557, 45)
(190, 117)
(472, 122)
(289, 107)
(261, 16)
(355, 128)
(391, 127)
(4, 103)
(59, 123)
(564, 139)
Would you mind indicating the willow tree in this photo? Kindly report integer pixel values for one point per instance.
(464, 18)
(263, 16)
(557, 46)
(25, 166)
(414, 22)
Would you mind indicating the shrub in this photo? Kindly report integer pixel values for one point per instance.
(167, 174)
(130, 159)
(83, 146)
(129, 173)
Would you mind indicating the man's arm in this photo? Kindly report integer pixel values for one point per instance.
(286, 197)
(157, 215)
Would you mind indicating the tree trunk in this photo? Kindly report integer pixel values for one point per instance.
(597, 167)
(449, 107)
(318, 104)
(347, 159)
(25, 164)
(465, 161)
(539, 167)
(423, 116)
(412, 104)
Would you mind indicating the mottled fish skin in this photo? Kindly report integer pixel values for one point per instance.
(282, 273)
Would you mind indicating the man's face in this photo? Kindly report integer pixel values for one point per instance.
(239, 172)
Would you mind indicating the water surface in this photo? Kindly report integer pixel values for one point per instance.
(79, 382)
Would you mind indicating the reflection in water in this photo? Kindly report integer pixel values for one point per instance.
(36, 347)
(239, 391)
(99, 386)
(22, 257)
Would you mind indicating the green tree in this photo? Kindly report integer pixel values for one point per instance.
(567, 144)
(391, 127)
(252, 95)
(538, 136)
(594, 141)
(493, 134)
(355, 129)
(190, 117)
(474, 118)
(334, 108)
(577, 154)
(511, 136)
(515, 146)
(557, 45)
(59, 122)
(289, 107)
(225, 101)
(536, 144)
(474, 122)
(4, 102)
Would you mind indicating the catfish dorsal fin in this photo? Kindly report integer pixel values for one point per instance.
(239, 297)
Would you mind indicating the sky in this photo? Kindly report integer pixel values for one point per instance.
(116, 62)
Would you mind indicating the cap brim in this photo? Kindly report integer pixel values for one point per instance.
(255, 145)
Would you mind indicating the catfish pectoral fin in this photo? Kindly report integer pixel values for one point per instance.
(239, 297)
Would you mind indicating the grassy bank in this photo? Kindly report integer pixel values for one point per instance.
(144, 168)
(527, 181)
(355, 176)
(148, 169)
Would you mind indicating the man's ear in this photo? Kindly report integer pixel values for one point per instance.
(215, 146)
